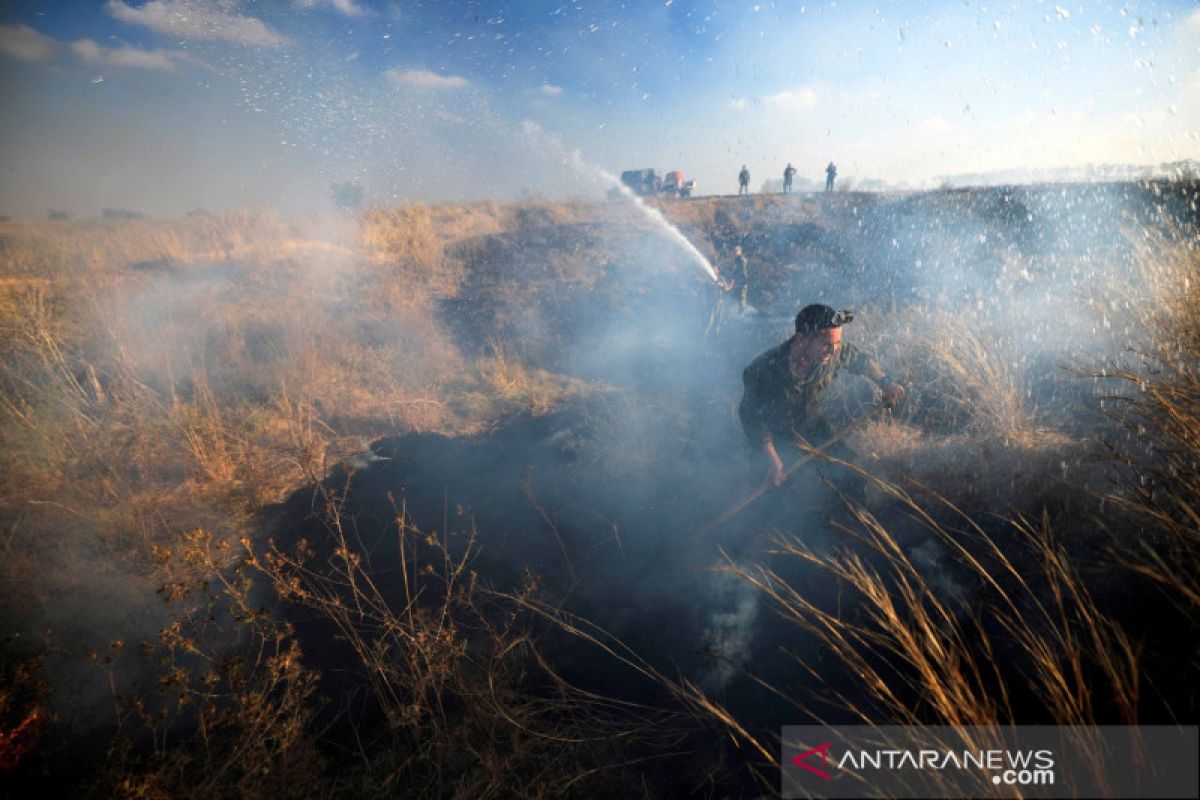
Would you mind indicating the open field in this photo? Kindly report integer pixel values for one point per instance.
(312, 507)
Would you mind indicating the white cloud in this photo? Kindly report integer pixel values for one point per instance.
(347, 7)
(1193, 19)
(793, 100)
(25, 44)
(739, 104)
(424, 79)
(934, 125)
(91, 53)
(550, 89)
(197, 19)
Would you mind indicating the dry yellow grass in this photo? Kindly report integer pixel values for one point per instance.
(157, 376)
(920, 655)
(1163, 408)
(85, 246)
(160, 382)
(701, 210)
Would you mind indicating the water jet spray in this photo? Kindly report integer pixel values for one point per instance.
(573, 159)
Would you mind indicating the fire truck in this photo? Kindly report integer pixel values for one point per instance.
(649, 182)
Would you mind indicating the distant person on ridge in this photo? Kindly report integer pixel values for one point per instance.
(788, 172)
(830, 174)
(744, 181)
(783, 387)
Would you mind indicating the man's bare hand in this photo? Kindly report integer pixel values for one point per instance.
(893, 395)
(774, 476)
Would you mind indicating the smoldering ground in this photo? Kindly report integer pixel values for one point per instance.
(981, 301)
(577, 427)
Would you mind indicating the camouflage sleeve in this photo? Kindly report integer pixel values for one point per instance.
(854, 359)
(750, 409)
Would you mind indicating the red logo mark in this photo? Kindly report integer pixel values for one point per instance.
(823, 751)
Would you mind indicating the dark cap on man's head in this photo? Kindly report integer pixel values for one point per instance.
(818, 317)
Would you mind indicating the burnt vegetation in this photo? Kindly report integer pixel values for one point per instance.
(416, 502)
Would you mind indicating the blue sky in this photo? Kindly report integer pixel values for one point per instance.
(168, 105)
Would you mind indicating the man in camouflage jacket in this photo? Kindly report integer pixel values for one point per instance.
(783, 387)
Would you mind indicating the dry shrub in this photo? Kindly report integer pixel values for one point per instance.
(186, 382)
(162, 382)
(709, 213)
(455, 222)
(1023, 633)
(459, 698)
(927, 660)
(900, 647)
(1162, 409)
(140, 437)
(141, 404)
(1021, 470)
(961, 374)
(87, 246)
(406, 241)
(233, 704)
(506, 385)
(968, 424)
(447, 692)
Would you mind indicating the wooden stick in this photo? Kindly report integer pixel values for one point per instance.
(749, 499)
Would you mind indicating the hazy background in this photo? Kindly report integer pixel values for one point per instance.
(171, 105)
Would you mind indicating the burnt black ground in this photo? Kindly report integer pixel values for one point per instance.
(600, 498)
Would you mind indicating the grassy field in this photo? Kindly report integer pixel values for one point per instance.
(163, 384)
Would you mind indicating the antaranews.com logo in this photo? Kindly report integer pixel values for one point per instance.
(940, 761)
(1010, 767)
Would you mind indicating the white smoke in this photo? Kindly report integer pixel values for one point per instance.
(730, 630)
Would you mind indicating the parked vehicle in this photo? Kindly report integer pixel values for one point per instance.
(642, 181)
(649, 182)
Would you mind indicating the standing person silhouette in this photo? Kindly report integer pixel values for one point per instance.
(788, 172)
(744, 181)
(830, 174)
(739, 280)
